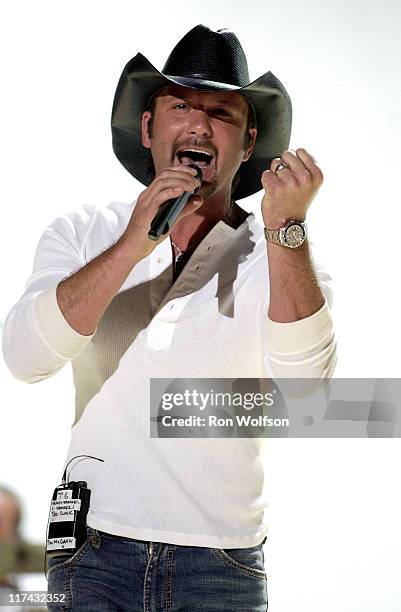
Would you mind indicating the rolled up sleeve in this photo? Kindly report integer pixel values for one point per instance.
(306, 348)
(37, 340)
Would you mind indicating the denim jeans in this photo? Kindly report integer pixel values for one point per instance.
(116, 574)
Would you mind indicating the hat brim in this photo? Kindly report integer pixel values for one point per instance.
(140, 80)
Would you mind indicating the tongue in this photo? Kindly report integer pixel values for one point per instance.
(187, 160)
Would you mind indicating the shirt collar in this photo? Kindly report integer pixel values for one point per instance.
(220, 234)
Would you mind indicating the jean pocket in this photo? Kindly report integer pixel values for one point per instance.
(248, 561)
(63, 561)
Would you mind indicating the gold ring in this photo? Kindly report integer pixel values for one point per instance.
(281, 166)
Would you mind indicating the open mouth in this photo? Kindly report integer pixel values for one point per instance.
(195, 156)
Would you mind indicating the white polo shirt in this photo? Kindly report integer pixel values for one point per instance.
(211, 323)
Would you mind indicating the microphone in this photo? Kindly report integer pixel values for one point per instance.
(169, 211)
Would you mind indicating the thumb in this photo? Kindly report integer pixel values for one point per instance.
(196, 200)
(193, 204)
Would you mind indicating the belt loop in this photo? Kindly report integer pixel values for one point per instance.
(95, 537)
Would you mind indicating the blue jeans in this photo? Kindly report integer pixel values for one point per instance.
(116, 574)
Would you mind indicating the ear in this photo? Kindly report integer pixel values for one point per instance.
(252, 133)
(145, 130)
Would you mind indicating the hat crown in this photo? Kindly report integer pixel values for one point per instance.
(210, 56)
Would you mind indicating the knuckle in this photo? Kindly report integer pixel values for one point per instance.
(292, 181)
(266, 176)
(189, 170)
(287, 155)
(304, 177)
(191, 186)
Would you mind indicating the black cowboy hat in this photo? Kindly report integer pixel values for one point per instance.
(209, 61)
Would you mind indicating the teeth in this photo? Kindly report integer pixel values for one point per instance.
(196, 156)
(197, 151)
(182, 153)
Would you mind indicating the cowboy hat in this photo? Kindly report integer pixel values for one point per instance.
(208, 61)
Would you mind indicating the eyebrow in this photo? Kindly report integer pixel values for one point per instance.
(185, 98)
(225, 102)
(231, 107)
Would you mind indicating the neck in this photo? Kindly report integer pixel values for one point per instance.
(190, 231)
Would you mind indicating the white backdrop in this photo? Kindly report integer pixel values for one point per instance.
(333, 504)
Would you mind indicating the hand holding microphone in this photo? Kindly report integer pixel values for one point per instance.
(168, 212)
(161, 195)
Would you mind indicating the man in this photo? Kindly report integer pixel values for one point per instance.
(10, 515)
(178, 524)
(16, 554)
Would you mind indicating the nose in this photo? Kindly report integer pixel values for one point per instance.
(199, 124)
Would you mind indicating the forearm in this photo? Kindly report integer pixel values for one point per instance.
(300, 337)
(84, 296)
(294, 290)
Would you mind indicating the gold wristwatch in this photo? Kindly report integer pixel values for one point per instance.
(292, 234)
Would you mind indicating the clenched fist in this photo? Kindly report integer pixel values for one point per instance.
(289, 193)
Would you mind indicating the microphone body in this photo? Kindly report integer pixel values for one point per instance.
(169, 211)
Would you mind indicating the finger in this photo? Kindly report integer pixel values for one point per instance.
(172, 173)
(275, 163)
(310, 163)
(282, 172)
(179, 170)
(152, 204)
(178, 174)
(189, 182)
(179, 183)
(193, 204)
(269, 179)
(183, 168)
(296, 164)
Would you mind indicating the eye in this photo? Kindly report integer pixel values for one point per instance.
(181, 106)
(222, 112)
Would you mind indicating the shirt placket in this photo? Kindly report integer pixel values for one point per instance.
(168, 305)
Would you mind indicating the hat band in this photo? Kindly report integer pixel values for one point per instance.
(202, 82)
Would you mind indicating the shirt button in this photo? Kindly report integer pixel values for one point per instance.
(160, 259)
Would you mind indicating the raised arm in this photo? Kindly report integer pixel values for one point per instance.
(299, 329)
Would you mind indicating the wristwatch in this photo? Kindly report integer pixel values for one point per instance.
(292, 234)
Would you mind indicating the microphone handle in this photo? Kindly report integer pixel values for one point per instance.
(169, 211)
(167, 214)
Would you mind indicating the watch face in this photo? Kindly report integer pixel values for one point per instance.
(294, 235)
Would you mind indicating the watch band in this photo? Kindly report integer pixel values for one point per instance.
(277, 235)
(272, 235)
